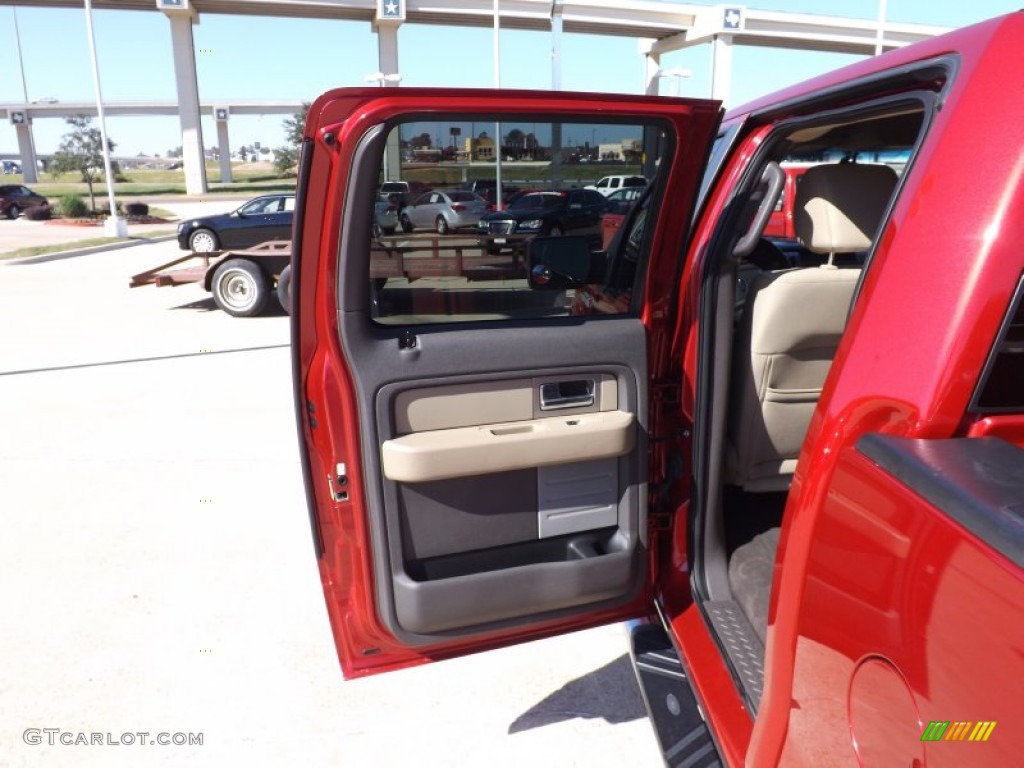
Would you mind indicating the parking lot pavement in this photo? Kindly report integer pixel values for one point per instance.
(158, 572)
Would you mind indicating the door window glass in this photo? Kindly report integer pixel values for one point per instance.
(476, 267)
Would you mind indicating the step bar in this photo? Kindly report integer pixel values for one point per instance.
(683, 735)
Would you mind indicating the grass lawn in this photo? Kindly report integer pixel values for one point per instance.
(39, 250)
(260, 178)
(249, 178)
(524, 174)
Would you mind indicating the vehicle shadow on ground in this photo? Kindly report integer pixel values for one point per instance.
(206, 305)
(610, 692)
(209, 305)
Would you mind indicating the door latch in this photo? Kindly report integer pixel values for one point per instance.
(337, 483)
(407, 340)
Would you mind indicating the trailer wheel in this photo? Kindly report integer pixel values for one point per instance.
(284, 289)
(240, 288)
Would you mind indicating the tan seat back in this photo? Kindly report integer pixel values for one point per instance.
(792, 323)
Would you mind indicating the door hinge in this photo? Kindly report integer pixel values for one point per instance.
(659, 521)
(665, 391)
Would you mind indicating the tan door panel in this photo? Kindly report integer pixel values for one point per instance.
(463, 405)
(489, 402)
(467, 451)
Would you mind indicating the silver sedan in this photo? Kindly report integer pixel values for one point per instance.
(443, 211)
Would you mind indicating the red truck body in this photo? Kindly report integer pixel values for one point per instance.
(830, 544)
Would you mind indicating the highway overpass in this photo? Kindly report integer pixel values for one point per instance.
(661, 26)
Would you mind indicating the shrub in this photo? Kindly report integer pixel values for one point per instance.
(105, 210)
(136, 209)
(38, 213)
(72, 207)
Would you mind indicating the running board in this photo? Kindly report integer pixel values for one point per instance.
(742, 646)
(684, 737)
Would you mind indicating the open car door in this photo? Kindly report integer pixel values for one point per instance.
(475, 456)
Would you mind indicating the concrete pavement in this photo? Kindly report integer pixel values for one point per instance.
(158, 571)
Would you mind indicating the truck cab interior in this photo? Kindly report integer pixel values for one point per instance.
(773, 324)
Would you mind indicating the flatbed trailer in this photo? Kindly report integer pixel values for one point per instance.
(241, 281)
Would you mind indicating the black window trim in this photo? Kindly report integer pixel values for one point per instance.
(999, 346)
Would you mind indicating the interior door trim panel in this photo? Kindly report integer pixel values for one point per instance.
(447, 453)
(463, 405)
(575, 571)
(472, 554)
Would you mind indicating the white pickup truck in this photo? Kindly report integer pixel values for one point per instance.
(608, 184)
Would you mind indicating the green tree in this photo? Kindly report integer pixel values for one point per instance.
(514, 142)
(81, 151)
(295, 125)
(287, 157)
(423, 141)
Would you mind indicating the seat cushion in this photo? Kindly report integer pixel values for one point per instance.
(790, 329)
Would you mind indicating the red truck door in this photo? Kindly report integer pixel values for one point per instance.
(476, 459)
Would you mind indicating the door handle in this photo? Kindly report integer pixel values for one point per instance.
(578, 393)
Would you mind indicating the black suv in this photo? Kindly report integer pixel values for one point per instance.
(567, 211)
(487, 189)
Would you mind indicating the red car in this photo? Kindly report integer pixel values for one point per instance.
(806, 482)
(781, 223)
(15, 199)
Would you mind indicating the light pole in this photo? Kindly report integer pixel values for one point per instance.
(880, 35)
(497, 84)
(381, 79)
(17, 44)
(29, 172)
(392, 158)
(114, 226)
(677, 74)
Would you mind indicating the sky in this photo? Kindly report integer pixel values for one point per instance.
(252, 57)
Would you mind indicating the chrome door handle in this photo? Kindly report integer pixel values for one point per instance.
(578, 393)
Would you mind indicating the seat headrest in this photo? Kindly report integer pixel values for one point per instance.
(839, 206)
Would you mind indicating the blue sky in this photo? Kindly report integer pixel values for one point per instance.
(250, 57)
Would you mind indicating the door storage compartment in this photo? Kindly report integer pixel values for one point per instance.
(474, 588)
